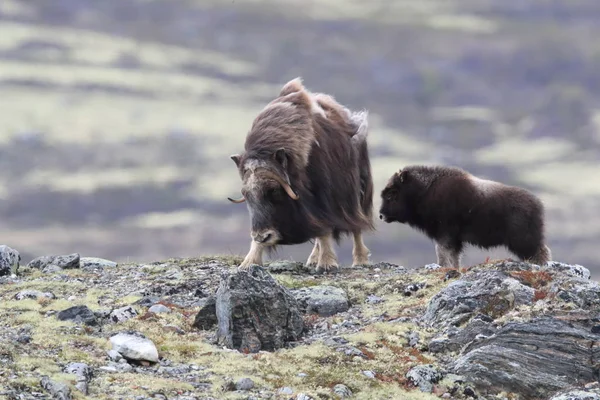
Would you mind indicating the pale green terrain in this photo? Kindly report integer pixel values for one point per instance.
(117, 118)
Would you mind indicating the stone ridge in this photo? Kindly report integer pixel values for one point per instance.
(197, 328)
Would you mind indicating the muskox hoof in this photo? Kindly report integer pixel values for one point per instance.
(327, 269)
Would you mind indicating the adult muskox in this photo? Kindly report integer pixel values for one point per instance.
(306, 175)
(453, 207)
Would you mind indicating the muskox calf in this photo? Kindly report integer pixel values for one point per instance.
(453, 207)
(306, 175)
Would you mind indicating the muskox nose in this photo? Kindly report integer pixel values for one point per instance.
(381, 217)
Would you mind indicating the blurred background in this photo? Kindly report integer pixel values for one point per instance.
(117, 117)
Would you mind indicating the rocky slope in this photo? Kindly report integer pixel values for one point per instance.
(73, 327)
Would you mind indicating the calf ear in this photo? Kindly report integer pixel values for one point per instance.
(280, 156)
(400, 177)
(236, 159)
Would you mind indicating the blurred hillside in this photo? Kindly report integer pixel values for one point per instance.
(117, 117)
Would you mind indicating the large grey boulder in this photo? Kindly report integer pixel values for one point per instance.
(63, 261)
(9, 260)
(255, 312)
(533, 359)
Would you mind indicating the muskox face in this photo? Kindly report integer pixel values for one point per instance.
(394, 205)
(267, 191)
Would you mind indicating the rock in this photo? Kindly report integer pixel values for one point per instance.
(279, 267)
(34, 294)
(244, 384)
(534, 358)
(59, 391)
(51, 269)
(147, 301)
(342, 391)
(123, 314)
(134, 347)
(425, 376)
(322, 300)
(117, 367)
(94, 262)
(372, 299)
(66, 261)
(254, 312)
(455, 339)
(159, 308)
(576, 270)
(413, 338)
(432, 267)
(207, 316)
(302, 396)
(413, 288)
(488, 292)
(369, 374)
(114, 355)
(9, 261)
(83, 373)
(585, 294)
(286, 390)
(576, 395)
(79, 314)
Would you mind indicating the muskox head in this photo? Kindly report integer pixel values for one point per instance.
(268, 193)
(396, 205)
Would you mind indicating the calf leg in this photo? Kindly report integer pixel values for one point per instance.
(254, 256)
(448, 255)
(313, 259)
(360, 252)
(327, 257)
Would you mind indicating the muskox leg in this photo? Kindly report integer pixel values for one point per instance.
(542, 256)
(360, 252)
(448, 256)
(254, 256)
(327, 258)
(313, 259)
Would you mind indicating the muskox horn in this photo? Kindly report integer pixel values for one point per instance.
(284, 184)
(240, 200)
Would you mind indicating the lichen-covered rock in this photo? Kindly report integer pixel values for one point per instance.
(64, 261)
(9, 260)
(81, 314)
(95, 262)
(425, 376)
(454, 339)
(134, 346)
(122, 314)
(576, 270)
(33, 294)
(534, 358)
(159, 309)
(58, 390)
(322, 300)
(576, 395)
(207, 316)
(83, 374)
(488, 292)
(342, 391)
(255, 312)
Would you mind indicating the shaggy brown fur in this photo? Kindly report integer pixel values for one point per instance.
(453, 207)
(306, 175)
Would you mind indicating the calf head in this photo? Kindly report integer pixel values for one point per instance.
(268, 193)
(395, 198)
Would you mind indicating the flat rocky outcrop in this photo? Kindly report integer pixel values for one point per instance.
(191, 329)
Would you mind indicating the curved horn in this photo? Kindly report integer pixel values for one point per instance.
(284, 184)
(237, 201)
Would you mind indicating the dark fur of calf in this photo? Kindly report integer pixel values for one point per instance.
(453, 207)
(306, 175)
